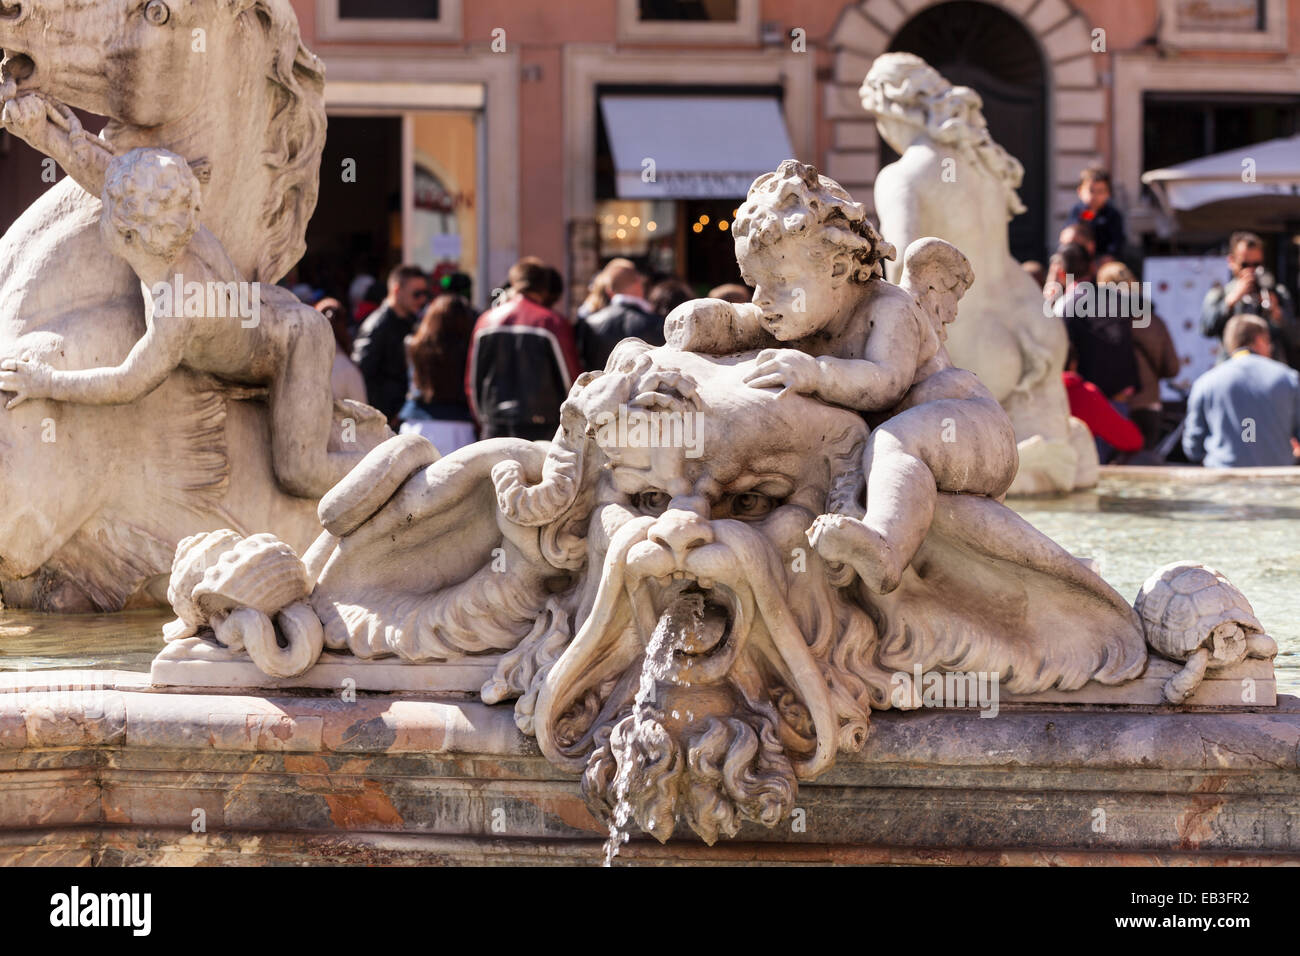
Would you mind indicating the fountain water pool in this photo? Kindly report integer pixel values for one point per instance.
(1246, 526)
(127, 641)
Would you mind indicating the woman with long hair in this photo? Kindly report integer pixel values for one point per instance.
(436, 407)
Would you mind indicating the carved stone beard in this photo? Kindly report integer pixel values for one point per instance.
(749, 697)
(715, 777)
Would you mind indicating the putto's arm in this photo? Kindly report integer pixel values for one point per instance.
(54, 129)
(87, 157)
(881, 378)
(716, 327)
(153, 357)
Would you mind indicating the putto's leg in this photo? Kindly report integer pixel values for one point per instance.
(901, 493)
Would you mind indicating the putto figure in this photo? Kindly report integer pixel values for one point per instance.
(94, 498)
(858, 341)
(200, 314)
(952, 181)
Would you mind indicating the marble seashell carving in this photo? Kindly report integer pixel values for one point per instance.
(261, 572)
(236, 586)
(194, 556)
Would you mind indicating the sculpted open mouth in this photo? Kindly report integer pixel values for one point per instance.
(17, 71)
(704, 622)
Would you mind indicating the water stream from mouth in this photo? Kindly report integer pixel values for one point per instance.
(679, 623)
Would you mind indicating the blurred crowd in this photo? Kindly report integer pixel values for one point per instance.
(418, 351)
(1243, 413)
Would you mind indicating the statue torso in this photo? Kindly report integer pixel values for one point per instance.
(57, 278)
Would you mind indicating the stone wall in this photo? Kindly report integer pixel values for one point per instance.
(99, 769)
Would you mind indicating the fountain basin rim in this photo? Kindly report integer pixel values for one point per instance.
(1195, 474)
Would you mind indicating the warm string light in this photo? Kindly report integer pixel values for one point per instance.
(622, 224)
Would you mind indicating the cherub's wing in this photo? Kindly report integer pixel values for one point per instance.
(933, 264)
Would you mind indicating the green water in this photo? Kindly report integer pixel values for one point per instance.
(125, 642)
(1247, 528)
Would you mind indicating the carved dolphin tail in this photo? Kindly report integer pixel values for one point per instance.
(542, 503)
(252, 630)
(375, 479)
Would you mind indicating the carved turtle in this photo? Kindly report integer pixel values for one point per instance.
(1194, 614)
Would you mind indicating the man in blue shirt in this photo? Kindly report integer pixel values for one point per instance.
(1245, 412)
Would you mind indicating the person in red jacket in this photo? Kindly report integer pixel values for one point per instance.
(522, 359)
(1089, 405)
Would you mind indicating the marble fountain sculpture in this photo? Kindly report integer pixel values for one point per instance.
(159, 383)
(952, 181)
(737, 548)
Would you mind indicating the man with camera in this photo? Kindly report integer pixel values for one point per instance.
(1253, 291)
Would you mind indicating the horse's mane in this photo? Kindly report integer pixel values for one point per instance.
(295, 131)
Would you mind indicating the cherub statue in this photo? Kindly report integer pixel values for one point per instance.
(855, 340)
(150, 218)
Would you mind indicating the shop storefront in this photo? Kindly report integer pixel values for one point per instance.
(420, 165)
(671, 169)
(398, 185)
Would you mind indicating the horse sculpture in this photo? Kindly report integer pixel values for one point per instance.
(95, 498)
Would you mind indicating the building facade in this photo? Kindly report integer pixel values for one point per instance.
(465, 133)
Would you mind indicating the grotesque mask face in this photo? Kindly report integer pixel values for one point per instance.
(693, 688)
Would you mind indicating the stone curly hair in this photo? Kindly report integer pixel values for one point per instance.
(902, 86)
(152, 197)
(797, 200)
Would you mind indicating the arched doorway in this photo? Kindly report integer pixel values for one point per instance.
(981, 46)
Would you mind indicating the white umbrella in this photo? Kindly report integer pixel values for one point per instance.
(1267, 169)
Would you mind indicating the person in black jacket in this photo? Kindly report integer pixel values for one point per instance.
(522, 358)
(380, 347)
(1252, 291)
(628, 314)
(1102, 342)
